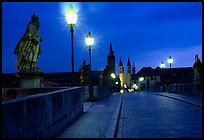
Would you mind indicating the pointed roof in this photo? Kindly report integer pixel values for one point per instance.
(128, 64)
(111, 53)
(133, 64)
(120, 63)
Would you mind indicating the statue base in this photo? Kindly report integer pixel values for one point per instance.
(197, 88)
(197, 82)
(31, 78)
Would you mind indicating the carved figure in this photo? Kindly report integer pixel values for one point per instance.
(84, 73)
(28, 48)
(197, 68)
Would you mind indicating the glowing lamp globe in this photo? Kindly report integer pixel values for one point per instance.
(113, 75)
(141, 79)
(162, 64)
(71, 16)
(170, 60)
(89, 40)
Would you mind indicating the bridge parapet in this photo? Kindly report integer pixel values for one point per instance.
(41, 115)
(194, 90)
(99, 92)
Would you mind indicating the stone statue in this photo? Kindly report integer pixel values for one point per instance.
(84, 73)
(28, 48)
(197, 69)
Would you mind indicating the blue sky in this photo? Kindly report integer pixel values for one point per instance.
(147, 32)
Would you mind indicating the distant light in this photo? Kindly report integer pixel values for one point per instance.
(71, 15)
(113, 75)
(121, 91)
(89, 40)
(125, 86)
(141, 79)
(116, 83)
(170, 60)
(129, 90)
(162, 65)
(134, 86)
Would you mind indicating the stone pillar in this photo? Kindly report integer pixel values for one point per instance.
(197, 88)
(31, 79)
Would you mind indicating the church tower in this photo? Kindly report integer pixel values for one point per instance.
(133, 68)
(111, 60)
(121, 68)
(128, 74)
(121, 72)
(128, 66)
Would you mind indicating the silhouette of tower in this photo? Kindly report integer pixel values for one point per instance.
(120, 67)
(133, 68)
(111, 60)
(121, 72)
(128, 66)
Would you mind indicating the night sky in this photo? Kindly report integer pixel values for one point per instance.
(147, 32)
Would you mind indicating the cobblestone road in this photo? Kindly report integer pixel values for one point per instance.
(153, 116)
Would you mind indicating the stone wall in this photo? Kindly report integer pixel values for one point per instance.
(98, 91)
(194, 90)
(101, 91)
(41, 115)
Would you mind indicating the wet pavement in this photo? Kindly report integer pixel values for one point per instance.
(187, 99)
(152, 116)
(139, 115)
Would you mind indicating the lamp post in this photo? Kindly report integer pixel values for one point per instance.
(71, 18)
(162, 75)
(170, 61)
(141, 79)
(113, 76)
(89, 41)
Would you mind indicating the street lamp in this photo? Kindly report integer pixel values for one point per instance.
(141, 79)
(162, 65)
(162, 74)
(113, 76)
(170, 61)
(71, 18)
(89, 42)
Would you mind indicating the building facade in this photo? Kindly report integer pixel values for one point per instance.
(110, 68)
(155, 78)
(127, 77)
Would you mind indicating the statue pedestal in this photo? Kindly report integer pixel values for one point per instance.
(31, 82)
(31, 79)
(197, 88)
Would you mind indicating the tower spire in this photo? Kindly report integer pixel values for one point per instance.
(128, 64)
(111, 53)
(133, 68)
(133, 65)
(120, 63)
